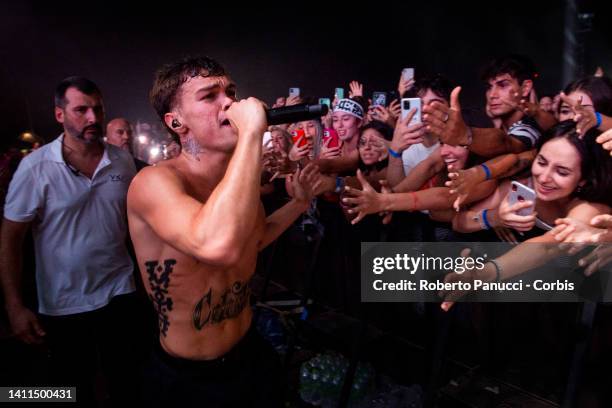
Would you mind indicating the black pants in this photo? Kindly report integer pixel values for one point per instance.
(250, 375)
(111, 341)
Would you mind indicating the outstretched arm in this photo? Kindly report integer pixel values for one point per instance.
(447, 123)
(301, 187)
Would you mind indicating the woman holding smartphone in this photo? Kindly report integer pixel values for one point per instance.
(568, 177)
(571, 177)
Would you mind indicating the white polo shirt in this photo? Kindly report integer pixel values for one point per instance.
(79, 227)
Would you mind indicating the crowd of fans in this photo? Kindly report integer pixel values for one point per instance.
(458, 174)
(381, 172)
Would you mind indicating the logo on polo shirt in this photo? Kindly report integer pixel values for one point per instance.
(117, 177)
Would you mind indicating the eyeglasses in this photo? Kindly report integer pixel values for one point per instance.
(372, 143)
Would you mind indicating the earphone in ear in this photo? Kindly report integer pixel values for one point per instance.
(175, 123)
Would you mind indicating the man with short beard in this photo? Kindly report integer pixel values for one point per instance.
(72, 192)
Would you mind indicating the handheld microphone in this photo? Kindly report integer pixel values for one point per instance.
(295, 113)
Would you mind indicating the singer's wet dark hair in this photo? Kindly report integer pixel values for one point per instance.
(170, 77)
(83, 85)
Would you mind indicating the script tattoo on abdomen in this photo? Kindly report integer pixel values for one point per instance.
(230, 305)
(159, 278)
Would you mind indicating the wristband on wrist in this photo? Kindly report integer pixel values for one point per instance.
(498, 270)
(598, 116)
(485, 220)
(487, 171)
(415, 200)
(394, 153)
(340, 183)
(480, 219)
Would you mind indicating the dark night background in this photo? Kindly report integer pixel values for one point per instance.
(268, 53)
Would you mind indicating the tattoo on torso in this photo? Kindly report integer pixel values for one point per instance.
(229, 305)
(159, 278)
(192, 147)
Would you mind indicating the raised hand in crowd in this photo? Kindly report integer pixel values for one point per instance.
(604, 222)
(355, 89)
(404, 85)
(395, 110)
(530, 107)
(300, 149)
(584, 116)
(447, 122)
(406, 134)
(328, 120)
(507, 215)
(363, 202)
(333, 104)
(379, 146)
(605, 140)
(301, 184)
(461, 182)
(468, 276)
(602, 255)
(571, 230)
(280, 102)
(277, 162)
(576, 235)
(330, 152)
(294, 100)
(599, 258)
(382, 114)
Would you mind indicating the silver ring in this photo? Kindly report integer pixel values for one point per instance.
(446, 118)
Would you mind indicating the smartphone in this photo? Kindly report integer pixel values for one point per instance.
(294, 91)
(267, 136)
(519, 193)
(407, 73)
(379, 99)
(296, 135)
(333, 135)
(339, 92)
(410, 103)
(325, 101)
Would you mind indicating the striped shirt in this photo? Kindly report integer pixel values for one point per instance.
(527, 131)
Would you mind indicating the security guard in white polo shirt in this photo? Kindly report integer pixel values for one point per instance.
(72, 193)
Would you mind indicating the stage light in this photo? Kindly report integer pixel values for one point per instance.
(142, 139)
(154, 151)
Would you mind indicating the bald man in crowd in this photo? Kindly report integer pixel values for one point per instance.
(119, 133)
